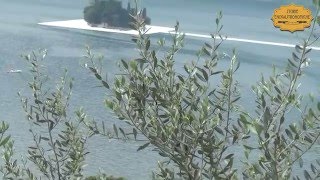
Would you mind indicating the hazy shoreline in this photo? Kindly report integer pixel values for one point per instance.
(82, 24)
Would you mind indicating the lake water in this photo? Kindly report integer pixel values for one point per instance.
(19, 34)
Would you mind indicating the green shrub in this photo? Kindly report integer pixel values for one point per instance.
(195, 125)
(111, 13)
(103, 177)
(189, 121)
(59, 145)
(92, 16)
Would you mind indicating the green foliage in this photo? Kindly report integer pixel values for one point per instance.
(59, 146)
(10, 169)
(281, 142)
(186, 120)
(195, 124)
(103, 177)
(316, 3)
(59, 153)
(111, 13)
(91, 15)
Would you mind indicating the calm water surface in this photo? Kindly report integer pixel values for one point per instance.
(19, 34)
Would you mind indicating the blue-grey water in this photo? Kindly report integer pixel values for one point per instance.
(19, 34)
